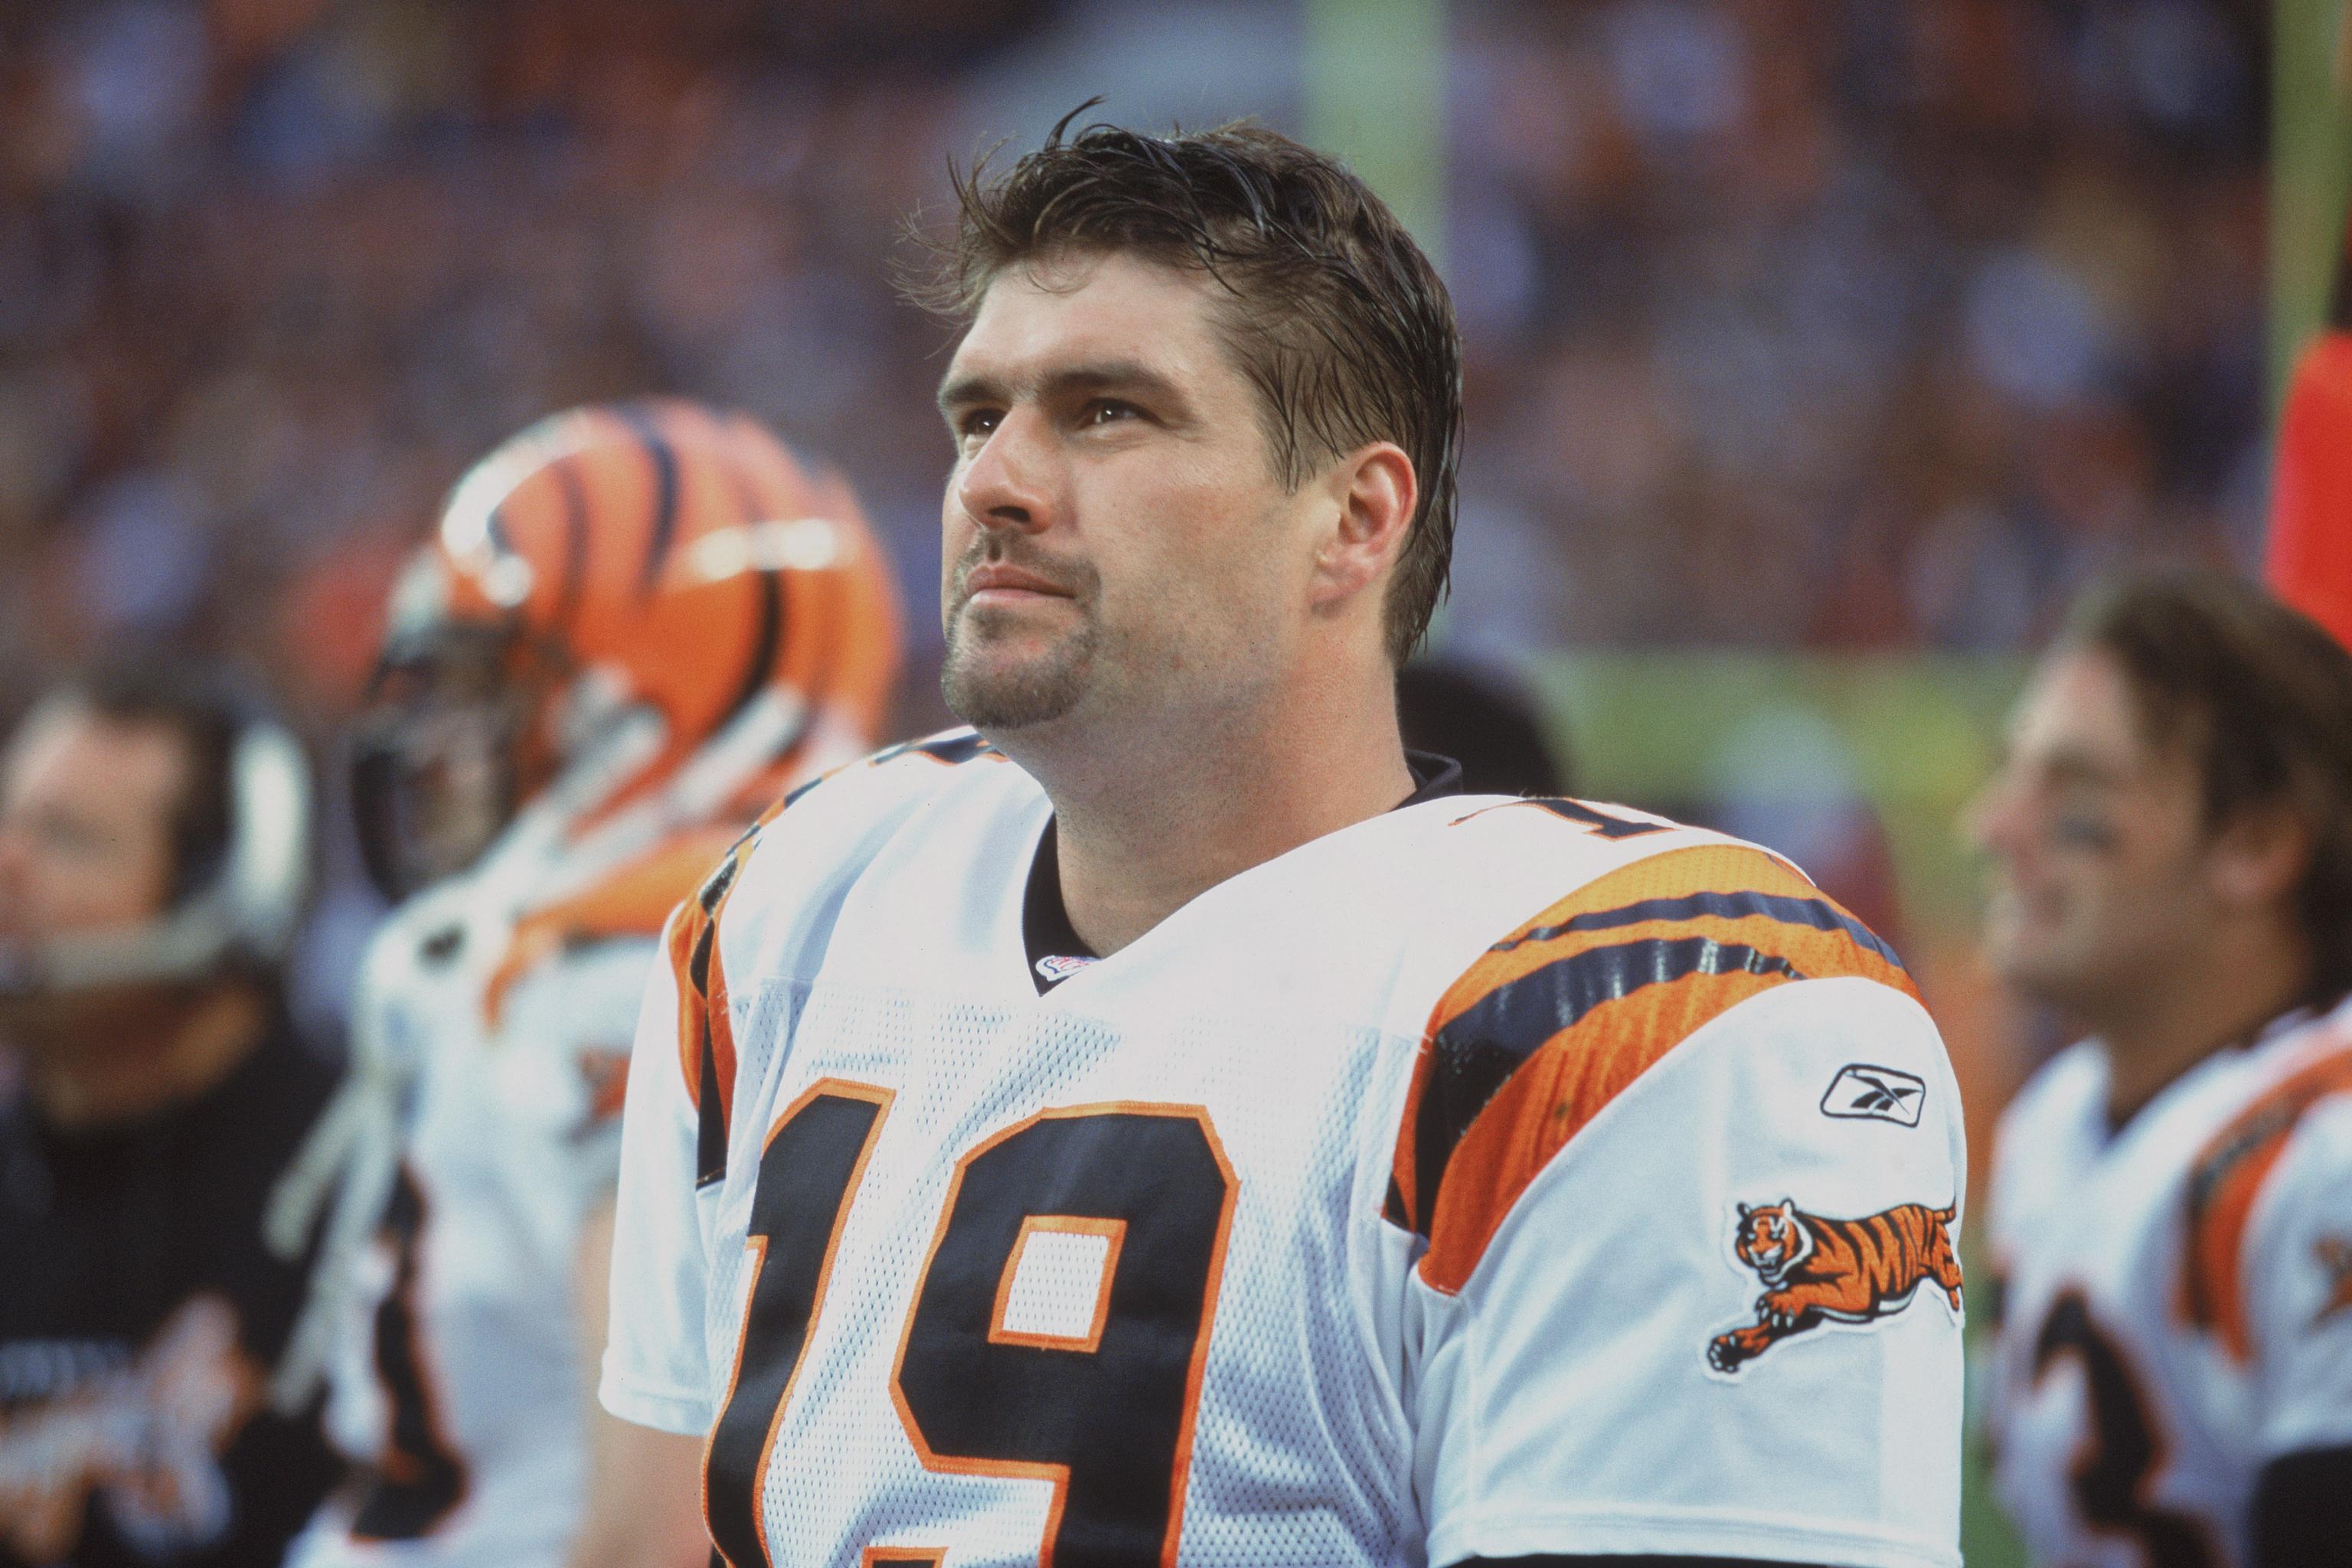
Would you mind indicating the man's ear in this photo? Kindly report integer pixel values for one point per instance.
(2259, 856)
(1372, 494)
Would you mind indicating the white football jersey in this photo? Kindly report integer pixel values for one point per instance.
(1492, 1177)
(494, 1015)
(2177, 1298)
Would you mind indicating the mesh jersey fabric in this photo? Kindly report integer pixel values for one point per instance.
(1425, 1328)
(2178, 1295)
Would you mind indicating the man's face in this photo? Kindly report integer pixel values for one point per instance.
(1116, 540)
(2100, 861)
(86, 805)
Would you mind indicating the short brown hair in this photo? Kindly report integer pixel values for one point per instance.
(2261, 697)
(143, 691)
(1330, 309)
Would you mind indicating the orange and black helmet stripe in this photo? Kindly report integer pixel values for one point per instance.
(644, 423)
(661, 429)
(768, 584)
(575, 541)
(686, 552)
(2223, 1184)
(1559, 1017)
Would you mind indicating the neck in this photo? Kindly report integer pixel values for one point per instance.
(143, 1056)
(1151, 818)
(2222, 1000)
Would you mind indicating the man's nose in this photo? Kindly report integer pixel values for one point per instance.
(1007, 484)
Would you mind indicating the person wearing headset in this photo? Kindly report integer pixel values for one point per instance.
(154, 855)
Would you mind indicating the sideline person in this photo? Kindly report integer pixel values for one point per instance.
(154, 853)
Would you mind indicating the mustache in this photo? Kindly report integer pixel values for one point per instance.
(1075, 578)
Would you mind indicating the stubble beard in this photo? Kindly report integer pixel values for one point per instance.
(1004, 694)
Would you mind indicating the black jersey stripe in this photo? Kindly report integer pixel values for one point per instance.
(1600, 822)
(1476, 1053)
(1818, 913)
(711, 1097)
(710, 1101)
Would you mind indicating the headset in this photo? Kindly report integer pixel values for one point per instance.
(248, 911)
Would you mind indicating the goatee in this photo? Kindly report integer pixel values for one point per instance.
(1002, 694)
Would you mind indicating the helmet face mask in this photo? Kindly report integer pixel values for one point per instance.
(452, 744)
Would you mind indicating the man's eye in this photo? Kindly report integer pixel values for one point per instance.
(2080, 829)
(977, 424)
(1107, 411)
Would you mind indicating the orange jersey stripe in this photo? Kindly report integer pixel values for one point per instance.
(693, 943)
(706, 1030)
(2223, 1185)
(1747, 891)
(1555, 1021)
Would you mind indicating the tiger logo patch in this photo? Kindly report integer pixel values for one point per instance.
(1819, 1270)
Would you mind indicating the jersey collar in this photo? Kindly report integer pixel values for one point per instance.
(1053, 948)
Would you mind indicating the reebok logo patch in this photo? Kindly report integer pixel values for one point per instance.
(1881, 1094)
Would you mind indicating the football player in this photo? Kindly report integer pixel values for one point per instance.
(2171, 837)
(1166, 1124)
(635, 627)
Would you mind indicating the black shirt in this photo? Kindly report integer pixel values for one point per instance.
(140, 1316)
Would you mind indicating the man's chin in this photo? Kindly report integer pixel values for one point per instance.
(1008, 701)
(2043, 975)
(2018, 956)
(1003, 680)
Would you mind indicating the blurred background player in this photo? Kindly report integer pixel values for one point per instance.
(635, 628)
(154, 853)
(2172, 1198)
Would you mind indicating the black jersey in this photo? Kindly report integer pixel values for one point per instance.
(141, 1313)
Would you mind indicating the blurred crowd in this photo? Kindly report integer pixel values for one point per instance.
(1831, 325)
(1873, 323)
(1860, 325)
